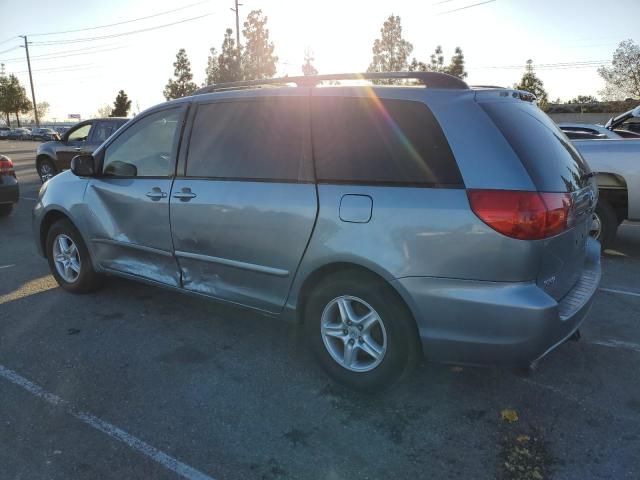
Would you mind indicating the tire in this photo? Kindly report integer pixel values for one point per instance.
(5, 209)
(80, 277)
(46, 170)
(605, 224)
(395, 334)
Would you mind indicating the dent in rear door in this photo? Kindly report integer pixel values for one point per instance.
(243, 215)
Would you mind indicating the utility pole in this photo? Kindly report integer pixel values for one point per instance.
(237, 10)
(33, 95)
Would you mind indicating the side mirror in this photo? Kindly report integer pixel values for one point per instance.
(118, 168)
(83, 165)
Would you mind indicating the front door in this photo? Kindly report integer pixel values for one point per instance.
(74, 143)
(243, 214)
(129, 202)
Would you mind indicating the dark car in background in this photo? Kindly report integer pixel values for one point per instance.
(55, 156)
(4, 132)
(19, 134)
(44, 134)
(9, 190)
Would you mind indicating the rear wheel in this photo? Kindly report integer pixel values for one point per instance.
(69, 259)
(360, 331)
(46, 170)
(5, 209)
(604, 224)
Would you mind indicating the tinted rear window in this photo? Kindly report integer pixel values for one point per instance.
(365, 140)
(267, 139)
(545, 151)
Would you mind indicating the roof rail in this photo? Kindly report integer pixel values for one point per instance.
(429, 79)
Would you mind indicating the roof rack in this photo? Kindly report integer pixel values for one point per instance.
(428, 79)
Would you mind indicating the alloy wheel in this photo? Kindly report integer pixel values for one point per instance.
(46, 171)
(353, 333)
(66, 258)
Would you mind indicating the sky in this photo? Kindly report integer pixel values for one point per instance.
(497, 38)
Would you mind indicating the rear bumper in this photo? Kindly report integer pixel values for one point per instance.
(9, 190)
(477, 322)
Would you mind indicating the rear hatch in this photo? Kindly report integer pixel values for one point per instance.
(555, 167)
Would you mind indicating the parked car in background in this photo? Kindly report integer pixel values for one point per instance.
(4, 132)
(18, 134)
(459, 230)
(616, 164)
(44, 134)
(9, 190)
(623, 126)
(55, 156)
(61, 130)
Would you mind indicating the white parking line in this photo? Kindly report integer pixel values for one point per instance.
(621, 292)
(114, 432)
(7, 266)
(617, 344)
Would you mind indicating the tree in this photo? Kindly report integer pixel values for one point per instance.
(182, 86)
(5, 95)
(456, 67)
(583, 99)
(121, 106)
(258, 60)
(623, 77)
(13, 98)
(212, 72)
(436, 63)
(229, 60)
(390, 51)
(532, 84)
(307, 67)
(103, 111)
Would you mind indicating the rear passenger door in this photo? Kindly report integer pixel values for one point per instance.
(242, 214)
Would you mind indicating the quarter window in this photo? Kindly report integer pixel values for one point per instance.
(262, 139)
(376, 141)
(145, 149)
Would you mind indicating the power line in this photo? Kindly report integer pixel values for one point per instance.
(465, 7)
(8, 40)
(119, 23)
(115, 35)
(68, 53)
(10, 49)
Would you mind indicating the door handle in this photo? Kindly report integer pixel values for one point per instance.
(185, 195)
(77, 149)
(156, 194)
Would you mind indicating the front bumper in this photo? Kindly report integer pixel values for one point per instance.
(488, 323)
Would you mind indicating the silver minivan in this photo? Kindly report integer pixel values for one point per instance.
(427, 219)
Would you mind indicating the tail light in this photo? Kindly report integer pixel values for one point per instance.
(522, 215)
(6, 166)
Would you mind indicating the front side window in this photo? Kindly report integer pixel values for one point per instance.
(81, 134)
(265, 139)
(145, 149)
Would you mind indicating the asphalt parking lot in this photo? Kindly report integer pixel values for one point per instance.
(138, 382)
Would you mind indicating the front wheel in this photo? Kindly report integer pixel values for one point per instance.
(46, 170)
(360, 331)
(69, 259)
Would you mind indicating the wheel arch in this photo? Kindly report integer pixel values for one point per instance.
(44, 156)
(51, 217)
(612, 189)
(317, 276)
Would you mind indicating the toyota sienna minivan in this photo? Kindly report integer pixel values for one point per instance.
(398, 221)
